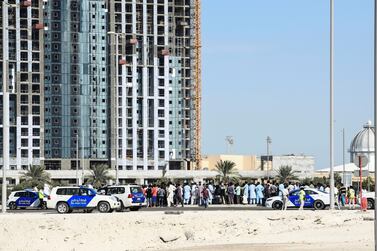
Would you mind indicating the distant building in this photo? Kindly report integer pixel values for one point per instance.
(243, 162)
(303, 165)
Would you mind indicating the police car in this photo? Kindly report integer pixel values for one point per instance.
(67, 199)
(130, 196)
(313, 199)
(27, 198)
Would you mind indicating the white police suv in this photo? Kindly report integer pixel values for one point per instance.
(130, 196)
(313, 199)
(27, 198)
(67, 199)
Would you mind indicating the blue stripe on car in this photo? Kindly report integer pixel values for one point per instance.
(79, 201)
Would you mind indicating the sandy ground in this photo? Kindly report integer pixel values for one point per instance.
(194, 230)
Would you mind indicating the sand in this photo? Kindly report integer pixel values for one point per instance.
(191, 230)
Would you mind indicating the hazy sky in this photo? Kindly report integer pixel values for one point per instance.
(266, 72)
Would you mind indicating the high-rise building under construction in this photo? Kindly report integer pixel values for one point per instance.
(101, 82)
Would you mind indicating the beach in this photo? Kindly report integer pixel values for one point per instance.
(189, 230)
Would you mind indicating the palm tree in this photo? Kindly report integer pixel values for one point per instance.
(227, 171)
(36, 176)
(99, 175)
(285, 174)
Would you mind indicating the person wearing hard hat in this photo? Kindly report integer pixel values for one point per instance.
(301, 196)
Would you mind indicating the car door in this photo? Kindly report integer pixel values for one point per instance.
(26, 199)
(80, 197)
(34, 199)
(309, 198)
(294, 198)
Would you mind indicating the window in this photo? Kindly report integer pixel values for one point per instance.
(310, 192)
(67, 191)
(136, 190)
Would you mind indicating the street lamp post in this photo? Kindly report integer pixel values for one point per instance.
(344, 155)
(116, 35)
(332, 104)
(269, 141)
(77, 159)
(375, 123)
(5, 106)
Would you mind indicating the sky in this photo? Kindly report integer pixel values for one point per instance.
(265, 72)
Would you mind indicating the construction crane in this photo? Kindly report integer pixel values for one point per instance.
(198, 82)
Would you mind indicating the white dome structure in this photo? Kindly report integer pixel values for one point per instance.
(363, 143)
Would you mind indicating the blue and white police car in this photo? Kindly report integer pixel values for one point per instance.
(130, 196)
(67, 199)
(313, 199)
(27, 198)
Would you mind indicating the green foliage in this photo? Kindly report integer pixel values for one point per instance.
(99, 176)
(286, 174)
(36, 176)
(368, 183)
(227, 171)
(323, 180)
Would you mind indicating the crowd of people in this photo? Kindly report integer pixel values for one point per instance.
(252, 193)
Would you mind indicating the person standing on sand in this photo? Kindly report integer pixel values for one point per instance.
(245, 193)
(252, 194)
(231, 193)
(179, 194)
(186, 193)
(342, 194)
(161, 196)
(259, 192)
(200, 192)
(171, 190)
(290, 187)
(149, 195)
(238, 193)
(223, 191)
(351, 197)
(194, 196)
(284, 194)
(210, 190)
(205, 196)
(281, 188)
(301, 197)
(154, 195)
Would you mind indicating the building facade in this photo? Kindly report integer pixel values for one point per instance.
(151, 83)
(99, 82)
(22, 68)
(76, 84)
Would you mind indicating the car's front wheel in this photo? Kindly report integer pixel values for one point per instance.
(12, 206)
(103, 207)
(62, 208)
(278, 205)
(370, 204)
(318, 204)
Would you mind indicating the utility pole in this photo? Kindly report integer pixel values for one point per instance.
(269, 141)
(5, 106)
(116, 35)
(332, 104)
(375, 122)
(344, 156)
(77, 159)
